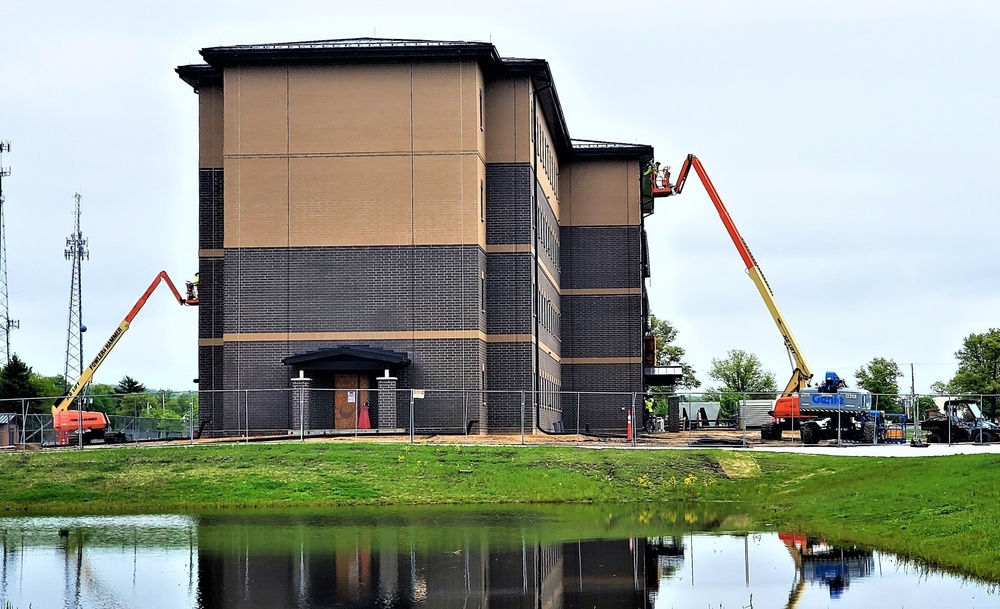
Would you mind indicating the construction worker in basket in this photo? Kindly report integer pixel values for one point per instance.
(652, 171)
(192, 287)
(647, 414)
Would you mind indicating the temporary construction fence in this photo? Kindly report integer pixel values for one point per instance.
(308, 412)
(301, 413)
(157, 416)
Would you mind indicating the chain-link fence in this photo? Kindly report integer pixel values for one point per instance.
(306, 412)
(132, 417)
(844, 416)
(811, 417)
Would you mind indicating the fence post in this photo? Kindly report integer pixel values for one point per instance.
(577, 413)
(24, 423)
(302, 414)
(191, 416)
(411, 415)
(743, 417)
(246, 404)
(522, 417)
(635, 428)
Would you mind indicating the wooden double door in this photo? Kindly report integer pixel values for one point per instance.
(352, 393)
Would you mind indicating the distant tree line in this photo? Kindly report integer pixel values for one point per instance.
(20, 386)
(742, 376)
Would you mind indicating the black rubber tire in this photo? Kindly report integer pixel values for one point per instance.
(868, 432)
(776, 432)
(767, 431)
(933, 439)
(810, 433)
(987, 437)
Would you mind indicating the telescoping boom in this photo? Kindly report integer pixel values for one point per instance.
(661, 187)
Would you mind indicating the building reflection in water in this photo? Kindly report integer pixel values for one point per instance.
(393, 571)
(396, 557)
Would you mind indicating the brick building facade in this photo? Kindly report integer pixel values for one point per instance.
(412, 206)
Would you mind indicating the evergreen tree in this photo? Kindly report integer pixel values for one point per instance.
(130, 385)
(16, 383)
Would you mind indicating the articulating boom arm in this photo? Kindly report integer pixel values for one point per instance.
(88, 372)
(802, 373)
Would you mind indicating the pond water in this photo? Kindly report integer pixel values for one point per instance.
(462, 557)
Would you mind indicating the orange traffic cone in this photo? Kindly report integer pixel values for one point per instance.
(628, 426)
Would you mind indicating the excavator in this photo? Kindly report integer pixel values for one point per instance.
(831, 409)
(92, 425)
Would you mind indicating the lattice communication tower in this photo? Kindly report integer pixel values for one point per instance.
(6, 323)
(76, 252)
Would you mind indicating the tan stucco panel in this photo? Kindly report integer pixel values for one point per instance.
(361, 108)
(350, 201)
(445, 107)
(256, 110)
(600, 193)
(508, 119)
(256, 202)
(367, 108)
(210, 126)
(446, 199)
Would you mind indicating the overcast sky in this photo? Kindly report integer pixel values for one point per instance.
(854, 142)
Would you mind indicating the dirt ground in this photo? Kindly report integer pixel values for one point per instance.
(662, 440)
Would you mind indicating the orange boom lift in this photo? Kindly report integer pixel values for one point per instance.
(95, 425)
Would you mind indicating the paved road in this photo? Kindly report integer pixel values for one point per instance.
(884, 450)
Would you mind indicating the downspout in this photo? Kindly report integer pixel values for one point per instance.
(535, 300)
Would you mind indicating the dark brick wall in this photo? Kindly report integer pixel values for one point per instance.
(508, 203)
(210, 285)
(600, 257)
(210, 403)
(600, 412)
(354, 289)
(210, 296)
(450, 371)
(508, 294)
(210, 208)
(602, 326)
(510, 369)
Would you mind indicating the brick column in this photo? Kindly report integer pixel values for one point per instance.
(674, 413)
(386, 401)
(300, 403)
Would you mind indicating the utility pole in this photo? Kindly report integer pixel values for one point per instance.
(76, 252)
(6, 323)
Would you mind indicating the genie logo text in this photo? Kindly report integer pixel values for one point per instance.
(828, 400)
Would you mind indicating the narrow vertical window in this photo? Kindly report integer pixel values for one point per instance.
(482, 117)
(482, 290)
(482, 201)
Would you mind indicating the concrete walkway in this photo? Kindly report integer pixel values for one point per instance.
(883, 450)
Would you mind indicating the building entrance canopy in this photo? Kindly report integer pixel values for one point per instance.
(353, 358)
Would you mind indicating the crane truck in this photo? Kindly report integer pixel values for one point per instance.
(830, 410)
(91, 425)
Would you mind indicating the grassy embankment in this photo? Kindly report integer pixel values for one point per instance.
(941, 510)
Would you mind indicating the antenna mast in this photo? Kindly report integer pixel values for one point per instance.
(6, 323)
(76, 252)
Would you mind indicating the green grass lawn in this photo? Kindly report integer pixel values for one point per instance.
(939, 510)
